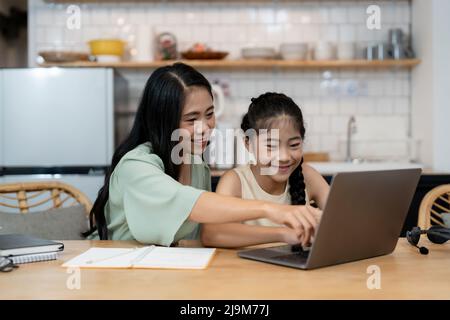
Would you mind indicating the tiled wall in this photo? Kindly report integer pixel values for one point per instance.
(380, 100)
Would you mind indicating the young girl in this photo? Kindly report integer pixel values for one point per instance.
(150, 196)
(290, 182)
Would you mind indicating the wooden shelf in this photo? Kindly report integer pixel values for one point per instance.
(250, 64)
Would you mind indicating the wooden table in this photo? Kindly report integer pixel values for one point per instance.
(405, 274)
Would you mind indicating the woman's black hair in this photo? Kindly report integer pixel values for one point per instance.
(158, 115)
(262, 112)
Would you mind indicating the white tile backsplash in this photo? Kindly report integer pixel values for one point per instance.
(54, 35)
(329, 142)
(384, 106)
(44, 16)
(402, 106)
(338, 14)
(320, 124)
(329, 106)
(347, 33)
(380, 100)
(339, 124)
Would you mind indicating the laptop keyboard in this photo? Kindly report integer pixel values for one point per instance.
(284, 254)
(298, 250)
(298, 255)
(293, 257)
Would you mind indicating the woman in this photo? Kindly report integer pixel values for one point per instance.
(151, 197)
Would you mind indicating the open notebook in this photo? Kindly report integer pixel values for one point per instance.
(151, 257)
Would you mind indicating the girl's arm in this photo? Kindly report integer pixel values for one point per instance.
(238, 234)
(317, 186)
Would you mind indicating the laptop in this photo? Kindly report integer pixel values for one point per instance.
(363, 218)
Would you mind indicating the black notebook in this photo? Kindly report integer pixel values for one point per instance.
(18, 245)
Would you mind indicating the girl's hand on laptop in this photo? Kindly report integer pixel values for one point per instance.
(302, 219)
(290, 236)
(317, 213)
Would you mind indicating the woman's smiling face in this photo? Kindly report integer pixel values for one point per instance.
(198, 118)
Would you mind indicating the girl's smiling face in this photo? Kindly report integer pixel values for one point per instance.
(280, 151)
(198, 118)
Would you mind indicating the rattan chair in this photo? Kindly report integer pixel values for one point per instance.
(22, 197)
(435, 202)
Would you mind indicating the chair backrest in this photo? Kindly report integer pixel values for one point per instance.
(24, 196)
(435, 202)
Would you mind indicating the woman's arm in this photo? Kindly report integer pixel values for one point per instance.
(235, 235)
(317, 186)
(238, 234)
(156, 205)
(216, 208)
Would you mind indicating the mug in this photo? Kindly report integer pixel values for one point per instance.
(396, 36)
(324, 51)
(346, 51)
(377, 52)
(399, 51)
(382, 51)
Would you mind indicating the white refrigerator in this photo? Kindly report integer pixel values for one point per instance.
(58, 124)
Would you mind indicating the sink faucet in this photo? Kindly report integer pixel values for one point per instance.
(351, 128)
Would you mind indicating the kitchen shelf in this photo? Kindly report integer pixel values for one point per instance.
(250, 64)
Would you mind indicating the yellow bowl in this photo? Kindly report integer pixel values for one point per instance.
(107, 47)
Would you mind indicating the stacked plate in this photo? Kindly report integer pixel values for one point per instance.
(258, 53)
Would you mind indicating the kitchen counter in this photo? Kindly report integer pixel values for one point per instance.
(330, 168)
